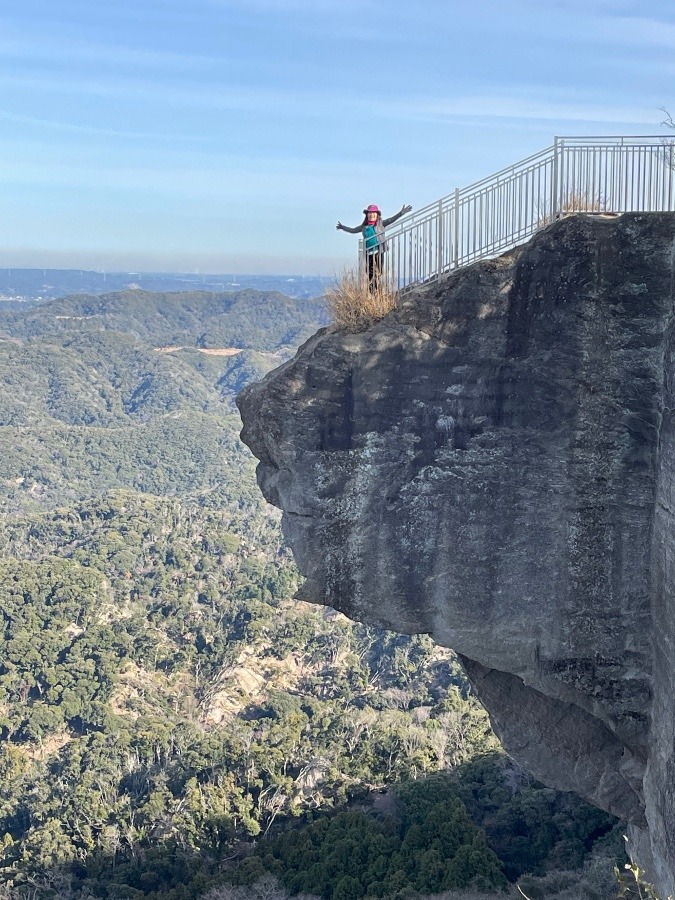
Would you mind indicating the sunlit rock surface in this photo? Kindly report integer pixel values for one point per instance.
(493, 463)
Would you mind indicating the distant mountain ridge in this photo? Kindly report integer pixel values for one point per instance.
(134, 389)
(46, 284)
(245, 319)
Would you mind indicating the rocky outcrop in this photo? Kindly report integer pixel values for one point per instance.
(494, 463)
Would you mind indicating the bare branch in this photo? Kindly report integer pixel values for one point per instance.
(669, 122)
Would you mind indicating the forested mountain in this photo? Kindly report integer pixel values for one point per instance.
(46, 284)
(171, 721)
(247, 319)
(133, 389)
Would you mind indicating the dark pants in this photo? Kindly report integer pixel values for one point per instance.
(374, 270)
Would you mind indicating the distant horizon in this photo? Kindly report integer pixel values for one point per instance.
(174, 272)
(105, 263)
(44, 283)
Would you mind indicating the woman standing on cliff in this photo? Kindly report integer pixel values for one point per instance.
(372, 229)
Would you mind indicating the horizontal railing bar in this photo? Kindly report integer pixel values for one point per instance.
(609, 140)
(616, 139)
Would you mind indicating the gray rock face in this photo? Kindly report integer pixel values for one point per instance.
(494, 463)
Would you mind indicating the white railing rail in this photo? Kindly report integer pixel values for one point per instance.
(576, 174)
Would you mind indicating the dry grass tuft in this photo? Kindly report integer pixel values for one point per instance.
(575, 202)
(352, 305)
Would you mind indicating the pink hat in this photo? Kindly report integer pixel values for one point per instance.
(372, 208)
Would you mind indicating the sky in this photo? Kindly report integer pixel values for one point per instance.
(232, 135)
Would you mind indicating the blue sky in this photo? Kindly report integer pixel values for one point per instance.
(231, 135)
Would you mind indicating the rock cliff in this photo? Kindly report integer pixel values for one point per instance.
(494, 463)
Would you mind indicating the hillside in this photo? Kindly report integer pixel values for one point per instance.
(85, 415)
(247, 319)
(146, 381)
(163, 704)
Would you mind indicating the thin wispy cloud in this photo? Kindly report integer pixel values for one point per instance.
(640, 31)
(46, 46)
(215, 97)
(207, 95)
(234, 177)
(512, 106)
(307, 7)
(78, 128)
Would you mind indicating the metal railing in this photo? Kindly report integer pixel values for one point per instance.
(576, 174)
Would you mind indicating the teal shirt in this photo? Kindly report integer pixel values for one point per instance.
(372, 241)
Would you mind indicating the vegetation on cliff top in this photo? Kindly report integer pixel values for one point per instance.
(353, 305)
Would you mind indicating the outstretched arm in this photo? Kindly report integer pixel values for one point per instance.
(341, 227)
(402, 211)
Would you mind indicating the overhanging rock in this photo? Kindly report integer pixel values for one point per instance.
(494, 463)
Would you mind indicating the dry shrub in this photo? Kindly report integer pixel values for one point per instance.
(468, 894)
(351, 304)
(578, 201)
(574, 202)
(265, 888)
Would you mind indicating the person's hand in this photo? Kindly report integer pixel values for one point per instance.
(406, 208)
(339, 226)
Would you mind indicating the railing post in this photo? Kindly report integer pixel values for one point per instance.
(439, 240)
(361, 262)
(555, 179)
(455, 237)
(671, 170)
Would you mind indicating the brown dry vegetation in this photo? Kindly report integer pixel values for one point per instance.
(575, 202)
(351, 304)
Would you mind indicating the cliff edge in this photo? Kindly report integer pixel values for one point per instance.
(494, 463)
